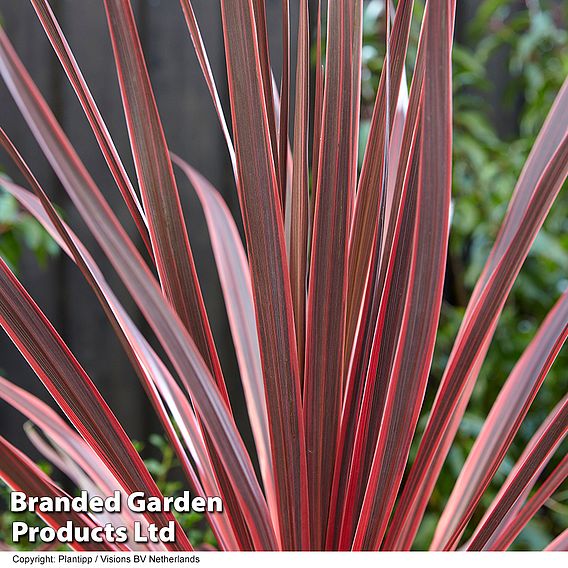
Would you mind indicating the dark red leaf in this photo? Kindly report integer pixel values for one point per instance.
(21, 474)
(262, 215)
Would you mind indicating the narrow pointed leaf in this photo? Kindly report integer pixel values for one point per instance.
(152, 372)
(261, 211)
(284, 103)
(400, 364)
(502, 424)
(300, 184)
(203, 59)
(324, 369)
(174, 259)
(545, 491)
(63, 51)
(61, 460)
(234, 275)
(398, 280)
(360, 424)
(318, 105)
(72, 389)
(560, 543)
(54, 426)
(143, 287)
(21, 474)
(360, 352)
(550, 137)
(515, 509)
(73, 456)
(372, 179)
(475, 333)
(527, 470)
(258, 19)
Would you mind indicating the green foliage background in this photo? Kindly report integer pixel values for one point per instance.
(19, 230)
(529, 41)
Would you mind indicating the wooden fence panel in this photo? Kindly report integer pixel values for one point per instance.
(191, 130)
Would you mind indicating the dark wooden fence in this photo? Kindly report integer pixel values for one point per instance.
(192, 132)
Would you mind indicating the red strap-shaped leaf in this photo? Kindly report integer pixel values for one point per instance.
(527, 469)
(137, 278)
(545, 491)
(372, 180)
(474, 336)
(234, 275)
(153, 373)
(502, 424)
(72, 389)
(262, 215)
(299, 218)
(560, 543)
(21, 474)
(168, 234)
(324, 368)
(203, 59)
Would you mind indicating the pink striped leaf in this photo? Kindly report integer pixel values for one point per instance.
(128, 263)
(371, 183)
(201, 52)
(284, 104)
(560, 543)
(258, 190)
(502, 424)
(21, 474)
(57, 457)
(72, 389)
(413, 356)
(390, 316)
(174, 259)
(258, 27)
(474, 336)
(231, 261)
(323, 380)
(65, 55)
(360, 425)
(55, 427)
(550, 137)
(152, 371)
(525, 473)
(519, 521)
(318, 104)
(521, 501)
(299, 221)
(71, 454)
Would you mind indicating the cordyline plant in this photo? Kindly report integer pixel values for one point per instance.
(333, 304)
